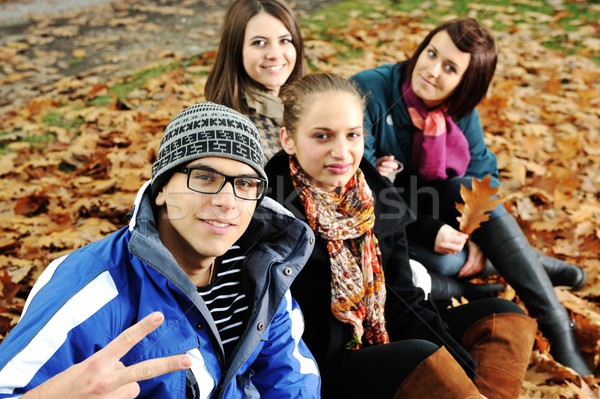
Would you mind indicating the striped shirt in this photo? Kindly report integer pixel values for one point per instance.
(226, 300)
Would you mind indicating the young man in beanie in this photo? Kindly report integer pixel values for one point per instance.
(191, 300)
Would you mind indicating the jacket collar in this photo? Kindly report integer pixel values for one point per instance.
(273, 229)
(274, 240)
(399, 112)
(145, 242)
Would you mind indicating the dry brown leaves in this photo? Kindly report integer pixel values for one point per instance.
(67, 185)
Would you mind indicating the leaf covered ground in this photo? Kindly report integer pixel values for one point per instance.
(74, 151)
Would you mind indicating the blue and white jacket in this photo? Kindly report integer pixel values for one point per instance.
(84, 300)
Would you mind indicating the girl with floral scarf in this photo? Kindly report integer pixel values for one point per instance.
(370, 329)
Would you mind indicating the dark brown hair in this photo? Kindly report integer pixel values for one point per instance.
(298, 96)
(469, 37)
(228, 78)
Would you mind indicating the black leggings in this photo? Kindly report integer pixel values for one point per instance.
(377, 371)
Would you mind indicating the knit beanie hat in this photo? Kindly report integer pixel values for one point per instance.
(206, 130)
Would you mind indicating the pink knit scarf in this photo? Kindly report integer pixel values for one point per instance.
(439, 148)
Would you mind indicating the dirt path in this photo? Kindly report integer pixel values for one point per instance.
(43, 41)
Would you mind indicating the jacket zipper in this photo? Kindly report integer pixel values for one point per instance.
(257, 311)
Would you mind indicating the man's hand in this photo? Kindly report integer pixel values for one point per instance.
(475, 262)
(102, 375)
(449, 240)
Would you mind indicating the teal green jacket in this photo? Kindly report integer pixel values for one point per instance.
(390, 130)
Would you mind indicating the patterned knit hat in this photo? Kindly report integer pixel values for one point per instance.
(206, 130)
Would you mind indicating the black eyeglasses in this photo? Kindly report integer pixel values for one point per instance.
(208, 181)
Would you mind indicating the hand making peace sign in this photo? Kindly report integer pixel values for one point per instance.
(102, 375)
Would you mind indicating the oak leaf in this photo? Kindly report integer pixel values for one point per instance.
(478, 202)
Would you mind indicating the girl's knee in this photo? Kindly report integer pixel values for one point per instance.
(419, 349)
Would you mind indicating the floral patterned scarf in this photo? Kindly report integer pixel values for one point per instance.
(346, 221)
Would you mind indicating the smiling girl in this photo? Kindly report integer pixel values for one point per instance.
(261, 50)
(422, 115)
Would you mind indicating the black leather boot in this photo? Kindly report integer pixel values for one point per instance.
(445, 288)
(561, 273)
(503, 242)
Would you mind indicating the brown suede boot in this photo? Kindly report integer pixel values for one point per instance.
(440, 377)
(501, 344)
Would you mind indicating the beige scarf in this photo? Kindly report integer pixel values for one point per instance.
(265, 103)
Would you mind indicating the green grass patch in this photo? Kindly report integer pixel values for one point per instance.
(101, 101)
(338, 14)
(5, 139)
(190, 61)
(581, 15)
(52, 119)
(36, 142)
(503, 14)
(75, 61)
(41, 140)
(138, 79)
(57, 119)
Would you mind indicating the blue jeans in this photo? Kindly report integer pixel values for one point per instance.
(439, 200)
(448, 265)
